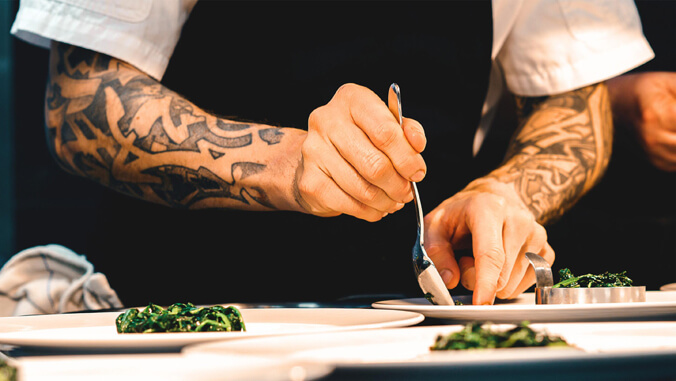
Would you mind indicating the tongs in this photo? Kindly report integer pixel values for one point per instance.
(545, 293)
(428, 277)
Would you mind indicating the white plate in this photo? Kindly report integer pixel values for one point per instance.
(658, 305)
(402, 353)
(412, 344)
(97, 330)
(164, 366)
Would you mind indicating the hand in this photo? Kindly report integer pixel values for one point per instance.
(356, 158)
(647, 102)
(489, 219)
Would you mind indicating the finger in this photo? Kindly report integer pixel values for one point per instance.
(439, 249)
(371, 114)
(321, 196)
(529, 277)
(534, 242)
(354, 185)
(663, 153)
(335, 201)
(514, 238)
(489, 254)
(467, 272)
(415, 134)
(372, 164)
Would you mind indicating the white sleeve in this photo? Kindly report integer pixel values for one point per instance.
(140, 32)
(560, 45)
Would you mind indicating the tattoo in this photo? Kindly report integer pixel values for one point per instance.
(560, 150)
(109, 122)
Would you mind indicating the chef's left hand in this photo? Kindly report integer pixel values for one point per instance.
(491, 220)
(647, 102)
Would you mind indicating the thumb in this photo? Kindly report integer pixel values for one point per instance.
(415, 134)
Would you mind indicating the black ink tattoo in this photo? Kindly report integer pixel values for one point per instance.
(111, 123)
(560, 150)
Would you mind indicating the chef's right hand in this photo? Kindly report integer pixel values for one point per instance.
(357, 159)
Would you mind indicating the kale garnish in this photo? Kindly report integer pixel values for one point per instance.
(180, 317)
(607, 279)
(7, 372)
(430, 299)
(475, 336)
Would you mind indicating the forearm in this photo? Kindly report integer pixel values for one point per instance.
(109, 122)
(560, 151)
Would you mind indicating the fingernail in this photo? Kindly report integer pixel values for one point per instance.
(446, 276)
(418, 176)
(468, 278)
(489, 302)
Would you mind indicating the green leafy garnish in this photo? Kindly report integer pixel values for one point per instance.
(475, 336)
(180, 317)
(430, 299)
(607, 279)
(7, 372)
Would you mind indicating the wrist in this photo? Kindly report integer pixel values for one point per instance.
(283, 171)
(497, 184)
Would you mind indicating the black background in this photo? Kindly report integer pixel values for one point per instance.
(627, 222)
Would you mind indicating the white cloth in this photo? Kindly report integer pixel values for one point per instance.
(540, 47)
(544, 47)
(52, 279)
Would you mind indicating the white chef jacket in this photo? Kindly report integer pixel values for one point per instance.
(540, 47)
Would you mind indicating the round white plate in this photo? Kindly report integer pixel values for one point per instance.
(411, 345)
(163, 366)
(97, 330)
(638, 350)
(658, 305)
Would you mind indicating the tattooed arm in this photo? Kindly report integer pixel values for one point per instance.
(560, 150)
(112, 123)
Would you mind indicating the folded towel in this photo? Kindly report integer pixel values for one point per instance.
(52, 279)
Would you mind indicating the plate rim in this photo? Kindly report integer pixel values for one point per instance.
(463, 312)
(373, 338)
(180, 339)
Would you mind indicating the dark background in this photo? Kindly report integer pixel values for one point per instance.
(627, 222)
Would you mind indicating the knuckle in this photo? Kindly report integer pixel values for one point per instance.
(502, 281)
(489, 201)
(316, 117)
(411, 164)
(369, 194)
(307, 186)
(384, 135)
(540, 231)
(375, 166)
(494, 258)
(309, 148)
(347, 90)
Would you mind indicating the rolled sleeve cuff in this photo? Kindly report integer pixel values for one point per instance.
(44, 27)
(546, 77)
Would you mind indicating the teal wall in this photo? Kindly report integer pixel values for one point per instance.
(6, 134)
